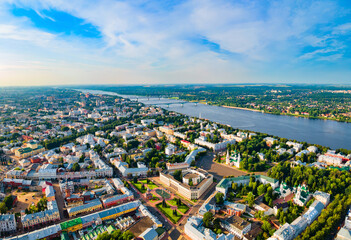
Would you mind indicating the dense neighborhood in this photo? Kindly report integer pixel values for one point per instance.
(77, 165)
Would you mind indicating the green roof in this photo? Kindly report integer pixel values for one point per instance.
(269, 179)
(71, 223)
(110, 229)
(28, 149)
(25, 150)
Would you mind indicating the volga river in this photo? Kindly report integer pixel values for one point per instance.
(324, 132)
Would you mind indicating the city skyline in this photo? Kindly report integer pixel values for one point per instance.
(174, 42)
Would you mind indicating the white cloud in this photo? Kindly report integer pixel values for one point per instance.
(343, 29)
(13, 32)
(158, 44)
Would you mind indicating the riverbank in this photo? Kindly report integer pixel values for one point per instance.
(284, 114)
(328, 133)
(246, 109)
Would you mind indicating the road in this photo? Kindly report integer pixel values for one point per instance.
(59, 200)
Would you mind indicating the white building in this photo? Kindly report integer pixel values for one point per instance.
(180, 135)
(170, 149)
(270, 140)
(348, 220)
(147, 213)
(8, 223)
(147, 122)
(330, 160)
(233, 159)
(214, 146)
(200, 178)
(195, 231)
(225, 183)
(125, 170)
(286, 232)
(323, 197)
(313, 149)
(296, 146)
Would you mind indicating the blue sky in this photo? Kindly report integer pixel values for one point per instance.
(51, 42)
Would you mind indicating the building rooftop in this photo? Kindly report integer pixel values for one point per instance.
(237, 222)
(71, 223)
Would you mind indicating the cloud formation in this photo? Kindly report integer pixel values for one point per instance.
(193, 41)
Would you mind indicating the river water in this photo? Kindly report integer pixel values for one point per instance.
(324, 132)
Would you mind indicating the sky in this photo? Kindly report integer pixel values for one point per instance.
(60, 42)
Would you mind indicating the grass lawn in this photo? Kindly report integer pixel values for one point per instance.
(150, 185)
(138, 186)
(169, 213)
(183, 208)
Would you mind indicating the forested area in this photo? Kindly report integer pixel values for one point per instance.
(334, 182)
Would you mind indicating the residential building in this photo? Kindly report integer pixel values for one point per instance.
(88, 207)
(50, 215)
(234, 208)
(236, 226)
(214, 146)
(118, 199)
(147, 122)
(8, 223)
(141, 170)
(296, 146)
(323, 197)
(195, 230)
(286, 232)
(170, 149)
(225, 183)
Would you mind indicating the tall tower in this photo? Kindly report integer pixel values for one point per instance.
(227, 159)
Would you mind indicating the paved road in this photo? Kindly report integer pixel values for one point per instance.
(217, 170)
(59, 200)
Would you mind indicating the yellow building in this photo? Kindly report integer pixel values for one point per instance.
(166, 130)
(89, 207)
(72, 225)
(29, 149)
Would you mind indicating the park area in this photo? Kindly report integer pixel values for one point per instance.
(173, 209)
(143, 185)
(163, 193)
(170, 212)
(178, 203)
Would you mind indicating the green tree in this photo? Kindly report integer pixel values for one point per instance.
(219, 198)
(178, 175)
(250, 199)
(75, 167)
(261, 189)
(207, 219)
(3, 208)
